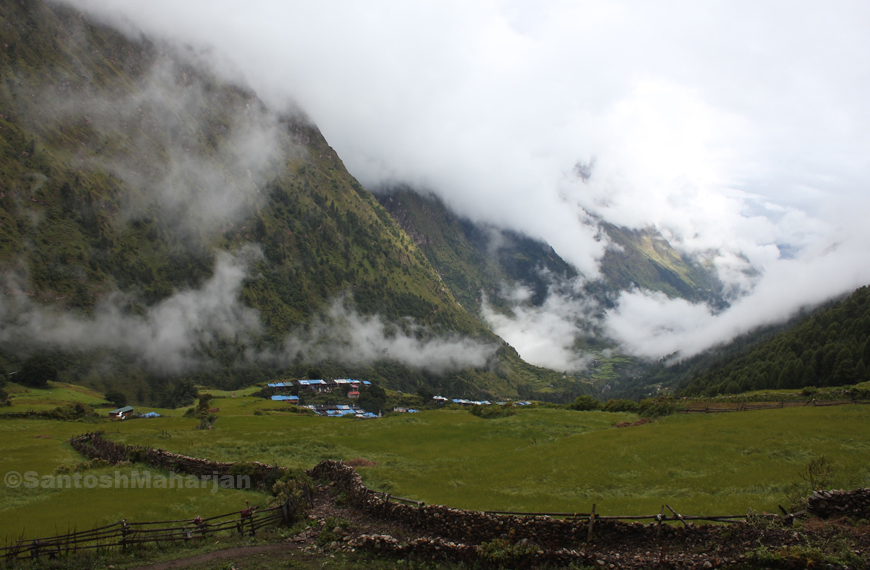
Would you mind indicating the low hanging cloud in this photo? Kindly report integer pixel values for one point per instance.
(200, 154)
(739, 130)
(653, 326)
(340, 334)
(177, 334)
(543, 335)
(173, 336)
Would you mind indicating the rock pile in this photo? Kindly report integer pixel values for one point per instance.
(825, 504)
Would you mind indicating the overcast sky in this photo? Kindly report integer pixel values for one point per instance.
(739, 129)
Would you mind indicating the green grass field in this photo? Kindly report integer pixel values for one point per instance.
(540, 459)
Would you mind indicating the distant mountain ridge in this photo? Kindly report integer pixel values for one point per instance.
(477, 259)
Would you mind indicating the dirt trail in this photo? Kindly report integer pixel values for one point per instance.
(322, 509)
(221, 554)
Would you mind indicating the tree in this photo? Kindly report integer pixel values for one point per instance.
(585, 404)
(116, 397)
(425, 394)
(37, 371)
(372, 399)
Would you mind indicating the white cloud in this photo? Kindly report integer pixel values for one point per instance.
(543, 335)
(739, 129)
(173, 336)
(340, 334)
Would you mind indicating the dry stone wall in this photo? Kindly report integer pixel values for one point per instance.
(475, 527)
(95, 446)
(825, 504)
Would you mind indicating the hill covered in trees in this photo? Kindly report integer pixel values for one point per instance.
(830, 347)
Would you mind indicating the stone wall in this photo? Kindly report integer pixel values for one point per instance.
(474, 527)
(95, 446)
(825, 504)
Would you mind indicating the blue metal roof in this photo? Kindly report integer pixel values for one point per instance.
(282, 398)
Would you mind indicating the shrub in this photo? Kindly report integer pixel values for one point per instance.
(656, 407)
(37, 371)
(117, 398)
(585, 404)
(492, 411)
(332, 529)
(621, 406)
(293, 486)
(505, 552)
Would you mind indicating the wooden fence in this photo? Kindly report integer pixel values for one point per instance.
(722, 407)
(659, 518)
(124, 534)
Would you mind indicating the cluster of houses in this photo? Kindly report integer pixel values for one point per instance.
(321, 386)
(128, 411)
(339, 410)
(464, 402)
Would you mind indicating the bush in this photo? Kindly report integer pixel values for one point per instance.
(492, 411)
(621, 406)
(293, 486)
(37, 371)
(585, 404)
(656, 407)
(117, 398)
(507, 553)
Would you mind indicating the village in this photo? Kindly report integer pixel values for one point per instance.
(329, 398)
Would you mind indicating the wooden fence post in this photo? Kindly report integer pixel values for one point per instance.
(591, 523)
(660, 518)
(285, 511)
(124, 534)
(679, 516)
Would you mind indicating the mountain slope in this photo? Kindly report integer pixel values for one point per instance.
(831, 347)
(158, 223)
(474, 260)
(644, 259)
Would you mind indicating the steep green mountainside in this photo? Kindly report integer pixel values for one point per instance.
(141, 197)
(646, 260)
(484, 265)
(828, 347)
(831, 347)
(474, 260)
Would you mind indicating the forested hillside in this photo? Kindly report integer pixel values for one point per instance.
(158, 224)
(831, 347)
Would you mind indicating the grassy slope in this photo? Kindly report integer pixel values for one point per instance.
(548, 459)
(537, 460)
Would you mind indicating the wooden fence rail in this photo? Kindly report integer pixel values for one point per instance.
(661, 517)
(123, 534)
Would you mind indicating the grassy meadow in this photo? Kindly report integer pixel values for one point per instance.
(540, 459)
(40, 446)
